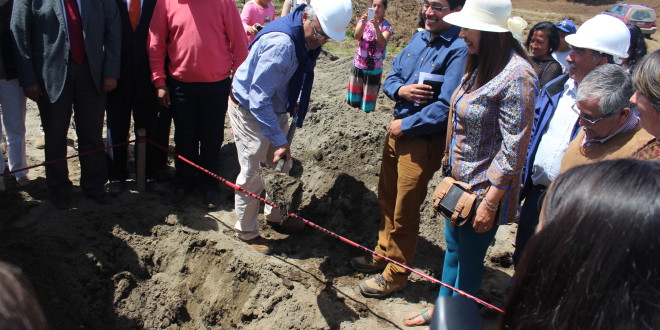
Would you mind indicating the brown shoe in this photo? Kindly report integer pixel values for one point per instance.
(379, 287)
(260, 244)
(291, 225)
(367, 264)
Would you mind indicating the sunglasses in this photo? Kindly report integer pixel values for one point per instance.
(436, 9)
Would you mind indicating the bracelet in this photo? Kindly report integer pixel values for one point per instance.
(490, 205)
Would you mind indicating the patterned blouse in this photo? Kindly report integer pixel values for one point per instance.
(369, 54)
(650, 151)
(492, 129)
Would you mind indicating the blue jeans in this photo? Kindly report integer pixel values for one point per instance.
(464, 258)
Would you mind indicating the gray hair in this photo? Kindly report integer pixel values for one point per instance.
(311, 13)
(596, 55)
(646, 78)
(610, 84)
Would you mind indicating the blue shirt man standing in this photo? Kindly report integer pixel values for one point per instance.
(414, 143)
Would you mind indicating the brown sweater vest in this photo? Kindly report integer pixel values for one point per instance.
(622, 145)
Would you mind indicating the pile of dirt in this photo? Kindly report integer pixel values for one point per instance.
(141, 263)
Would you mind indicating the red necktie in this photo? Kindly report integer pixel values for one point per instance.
(134, 13)
(74, 22)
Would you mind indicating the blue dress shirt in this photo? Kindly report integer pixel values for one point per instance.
(445, 55)
(261, 83)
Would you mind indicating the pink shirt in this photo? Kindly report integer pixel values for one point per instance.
(203, 40)
(254, 14)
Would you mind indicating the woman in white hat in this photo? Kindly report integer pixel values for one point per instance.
(492, 124)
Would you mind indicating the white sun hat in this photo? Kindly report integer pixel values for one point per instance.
(603, 33)
(488, 15)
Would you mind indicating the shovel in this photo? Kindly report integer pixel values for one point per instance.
(283, 190)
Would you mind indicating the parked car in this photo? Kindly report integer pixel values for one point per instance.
(640, 15)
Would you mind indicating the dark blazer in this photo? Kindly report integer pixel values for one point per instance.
(39, 28)
(6, 46)
(135, 72)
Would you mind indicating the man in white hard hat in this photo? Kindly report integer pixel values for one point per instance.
(414, 143)
(600, 40)
(275, 81)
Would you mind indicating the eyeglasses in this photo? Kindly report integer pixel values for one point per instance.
(436, 9)
(318, 36)
(590, 121)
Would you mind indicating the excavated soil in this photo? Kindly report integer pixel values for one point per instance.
(141, 263)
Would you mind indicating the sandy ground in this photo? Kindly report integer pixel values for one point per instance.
(141, 263)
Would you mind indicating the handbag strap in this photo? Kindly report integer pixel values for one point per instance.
(446, 164)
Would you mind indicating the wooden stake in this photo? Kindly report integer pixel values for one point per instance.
(141, 159)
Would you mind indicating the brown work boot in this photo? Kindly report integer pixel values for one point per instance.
(260, 244)
(291, 225)
(367, 264)
(379, 287)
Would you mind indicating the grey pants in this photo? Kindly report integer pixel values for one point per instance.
(87, 103)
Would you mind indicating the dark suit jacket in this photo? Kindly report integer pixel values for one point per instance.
(6, 47)
(135, 72)
(39, 28)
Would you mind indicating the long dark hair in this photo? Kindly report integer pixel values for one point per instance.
(551, 32)
(495, 50)
(637, 47)
(594, 264)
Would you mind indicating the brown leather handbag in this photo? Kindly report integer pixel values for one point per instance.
(453, 199)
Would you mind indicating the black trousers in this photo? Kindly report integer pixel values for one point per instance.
(147, 114)
(198, 109)
(529, 220)
(88, 108)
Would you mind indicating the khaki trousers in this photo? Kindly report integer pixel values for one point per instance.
(406, 169)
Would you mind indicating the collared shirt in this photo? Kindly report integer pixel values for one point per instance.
(554, 142)
(204, 41)
(492, 129)
(630, 123)
(261, 83)
(445, 55)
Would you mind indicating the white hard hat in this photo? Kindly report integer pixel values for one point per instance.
(334, 16)
(603, 33)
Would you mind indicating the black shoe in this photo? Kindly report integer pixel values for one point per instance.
(62, 203)
(179, 194)
(212, 199)
(116, 187)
